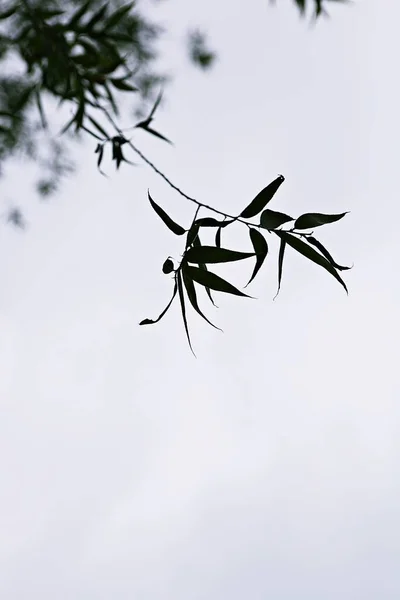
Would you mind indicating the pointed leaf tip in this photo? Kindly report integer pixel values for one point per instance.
(262, 199)
(174, 227)
(311, 220)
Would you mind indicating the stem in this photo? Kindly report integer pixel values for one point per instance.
(167, 180)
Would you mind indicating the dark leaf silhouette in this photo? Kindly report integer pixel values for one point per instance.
(262, 199)
(309, 252)
(168, 266)
(311, 220)
(123, 85)
(150, 321)
(211, 254)
(118, 15)
(203, 267)
(99, 127)
(324, 251)
(281, 256)
(271, 219)
(212, 281)
(192, 234)
(174, 227)
(211, 222)
(260, 246)
(183, 309)
(191, 293)
(218, 237)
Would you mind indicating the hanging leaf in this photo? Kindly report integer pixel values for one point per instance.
(324, 251)
(155, 133)
(281, 256)
(168, 266)
(100, 151)
(261, 250)
(211, 254)
(262, 199)
(203, 267)
(98, 127)
(183, 308)
(311, 254)
(271, 219)
(192, 234)
(218, 237)
(40, 109)
(311, 220)
(212, 281)
(150, 321)
(174, 227)
(191, 292)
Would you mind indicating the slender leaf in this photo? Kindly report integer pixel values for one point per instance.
(150, 321)
(118, 15)
(76, 17)
(309, 252)
(174, 227)
(211, 222)
(92, 133)
(203, 267)
(155, 133)
(260, 246)
(211, 254)
(192, 234)
(96, 18)
(191, 292)
(98, 127)
(212, 281)
(218, 237)
(183, 308)
(311, 220)
(262, 199)
(281, 256)
(40, 109)
(270, 219)
(324, 251)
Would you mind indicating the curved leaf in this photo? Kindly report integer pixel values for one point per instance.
(183, 308)
(218, 237)
(191, 292)
(270, 219)
(122, 85)
(174, 227)
(76, 17)
(262, 199)
(212, 281)
(261, 250)
(324, 251)
(311, 220)
(150, 321)
(211, 254)
(311, 254)
(118, 15)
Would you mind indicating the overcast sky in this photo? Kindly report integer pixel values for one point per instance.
(268, 468)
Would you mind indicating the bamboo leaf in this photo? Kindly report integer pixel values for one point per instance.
(174, 227)
(309, 252)
(260, 246)
(212, 281)
(211, 254)
(183, 309)
(270, 219)
(191, 293)
(262, 199)
(311, 220)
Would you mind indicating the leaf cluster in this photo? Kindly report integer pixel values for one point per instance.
(193, 271)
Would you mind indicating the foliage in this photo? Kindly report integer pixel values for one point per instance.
(85, 56)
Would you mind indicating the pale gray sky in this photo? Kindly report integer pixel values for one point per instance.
(269, 466)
